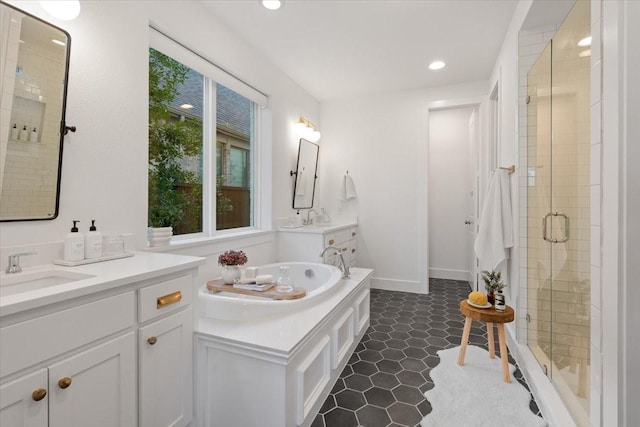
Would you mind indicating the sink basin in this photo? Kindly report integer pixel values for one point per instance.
(17, 283)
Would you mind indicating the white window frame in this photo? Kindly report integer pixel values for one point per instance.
(260, 149)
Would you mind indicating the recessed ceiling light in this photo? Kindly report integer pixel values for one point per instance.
(436, 65)
(272, 4)
(186, 106)
(585, 42)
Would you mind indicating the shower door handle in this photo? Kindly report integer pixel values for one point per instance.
(566, 227)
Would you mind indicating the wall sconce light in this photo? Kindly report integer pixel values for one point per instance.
(65, 10)
(308, 130)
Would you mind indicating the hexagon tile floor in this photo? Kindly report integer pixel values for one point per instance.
(384, 382)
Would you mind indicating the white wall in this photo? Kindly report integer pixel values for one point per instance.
(449, 186)
(631, 156)
(104, 174)
(505, 76)
(382, 141)
(620, 243)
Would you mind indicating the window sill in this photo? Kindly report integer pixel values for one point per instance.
(179, 244)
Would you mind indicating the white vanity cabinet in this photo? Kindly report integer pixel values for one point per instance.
(306, 243)
(25, 401)
(165, 353)
(78, 381)
(95, 386)
(116, 353)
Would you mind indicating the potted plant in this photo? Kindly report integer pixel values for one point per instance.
(164, 210)
(231, 261)
(492, 283)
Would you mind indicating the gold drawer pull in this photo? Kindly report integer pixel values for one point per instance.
(331, 242)
(152, 340)
(38, 394)
(64, 382)
(169, 299)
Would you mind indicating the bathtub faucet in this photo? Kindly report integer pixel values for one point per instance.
(346, 274)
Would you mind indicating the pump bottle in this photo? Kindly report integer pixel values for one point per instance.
(74, 244)
(93, 242)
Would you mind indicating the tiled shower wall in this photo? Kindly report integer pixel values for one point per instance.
(30, 167)
(10, 32)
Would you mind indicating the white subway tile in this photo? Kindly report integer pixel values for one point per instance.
(595, 246)
(595, 168)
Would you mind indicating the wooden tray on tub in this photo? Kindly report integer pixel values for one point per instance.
(219, 286)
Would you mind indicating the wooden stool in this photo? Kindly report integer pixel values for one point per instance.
(489, 316)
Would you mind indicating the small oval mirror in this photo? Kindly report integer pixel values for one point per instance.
(35, 61)
(305, 184)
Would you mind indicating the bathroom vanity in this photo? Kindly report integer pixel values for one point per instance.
(306, 243)
(111, 347)
(278, 370)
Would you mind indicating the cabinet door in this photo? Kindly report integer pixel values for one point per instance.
(24, 402)
(166, 377)
(95, 387)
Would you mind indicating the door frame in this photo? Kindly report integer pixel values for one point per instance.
(480, 103)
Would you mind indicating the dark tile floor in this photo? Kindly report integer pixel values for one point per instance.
(384, 382)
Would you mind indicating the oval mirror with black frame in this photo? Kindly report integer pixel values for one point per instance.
(35, 61)
(305, 174)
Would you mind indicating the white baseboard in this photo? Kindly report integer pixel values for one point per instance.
(443, 273)
(399, 285)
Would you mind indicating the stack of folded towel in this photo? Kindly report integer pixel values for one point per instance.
(261, 282)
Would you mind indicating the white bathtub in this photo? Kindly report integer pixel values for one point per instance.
(317, 279)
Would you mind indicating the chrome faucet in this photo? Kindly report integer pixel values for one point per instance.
(346, 274)
(310, 220)
(14, 262)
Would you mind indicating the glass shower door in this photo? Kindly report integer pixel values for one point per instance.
(539, 259)
(559, 298)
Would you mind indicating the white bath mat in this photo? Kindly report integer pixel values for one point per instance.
(475, 394)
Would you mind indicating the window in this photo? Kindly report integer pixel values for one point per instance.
(189, 112)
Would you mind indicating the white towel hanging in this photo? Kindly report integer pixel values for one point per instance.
(347, 188)
(495, 233)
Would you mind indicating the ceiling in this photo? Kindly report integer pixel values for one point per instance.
(349, 48)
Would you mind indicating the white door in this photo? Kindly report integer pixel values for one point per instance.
(449, 198)
(166, 385)
(474, 208)
(96, 387)
(24, 402)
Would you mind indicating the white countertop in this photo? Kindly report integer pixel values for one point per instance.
(106, 275)
(317, 229)
(281, 334)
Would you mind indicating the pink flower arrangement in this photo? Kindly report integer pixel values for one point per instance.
(232, 258)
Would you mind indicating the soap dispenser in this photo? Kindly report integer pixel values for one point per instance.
(15, 132)
(93, 242)
(33, 136)
(74, 244)
(24, 134)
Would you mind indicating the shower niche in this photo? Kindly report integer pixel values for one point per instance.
(558, 211)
